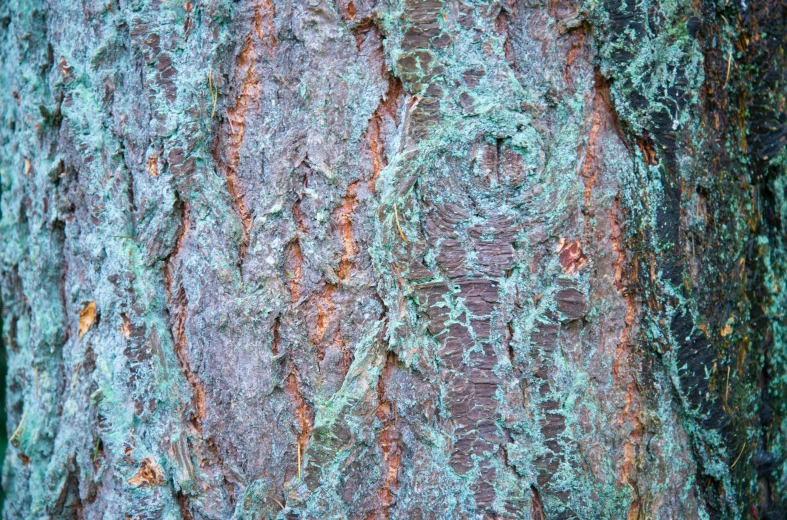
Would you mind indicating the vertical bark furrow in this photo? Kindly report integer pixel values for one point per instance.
(178, 313)
(260, 38)
(304, 417)
(624, 367)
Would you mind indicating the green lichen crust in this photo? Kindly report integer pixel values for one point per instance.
(400, 259)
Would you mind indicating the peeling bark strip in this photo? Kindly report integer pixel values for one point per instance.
(421, 259)
(622, 369)
(389, 438)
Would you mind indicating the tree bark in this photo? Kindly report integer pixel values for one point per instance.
(403, 259)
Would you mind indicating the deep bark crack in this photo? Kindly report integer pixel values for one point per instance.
(389, 437)
(304, 416)
(178, 307)
(261, 38)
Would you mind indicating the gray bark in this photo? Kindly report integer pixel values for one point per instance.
(396, 259)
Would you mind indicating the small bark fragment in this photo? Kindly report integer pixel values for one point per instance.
(87, 317)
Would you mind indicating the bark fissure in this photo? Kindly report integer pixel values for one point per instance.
(388, 107)
(623, 369)
(304, 417)
(261, 38)
(389, 437)
(178, 312)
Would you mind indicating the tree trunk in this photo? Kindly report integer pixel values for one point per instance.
(405, 259)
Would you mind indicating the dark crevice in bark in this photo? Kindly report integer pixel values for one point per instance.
(389, 436)
(298, 215)
(362, 30)
(184, 505)
(218, 461)
(261, 38)
(343, 218)
(236, 119)
(323, 303)
(132, 205)
(69, 502)
(276, 341)
(387, 108)
(624, 369)
(647, 147)
(59, 228)
(98, 454)
(603, 96)
(326, 308)
(538, 505)
(304, 419)
(178, 312)
(601, 115)
(501, 24)
(293, 266)
(509, 345)
(350, 11)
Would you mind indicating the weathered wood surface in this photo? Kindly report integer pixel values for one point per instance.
(401, 259)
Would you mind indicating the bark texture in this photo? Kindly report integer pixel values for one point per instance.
(394, 259)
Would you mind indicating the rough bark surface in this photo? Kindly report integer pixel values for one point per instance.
(394, 259)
